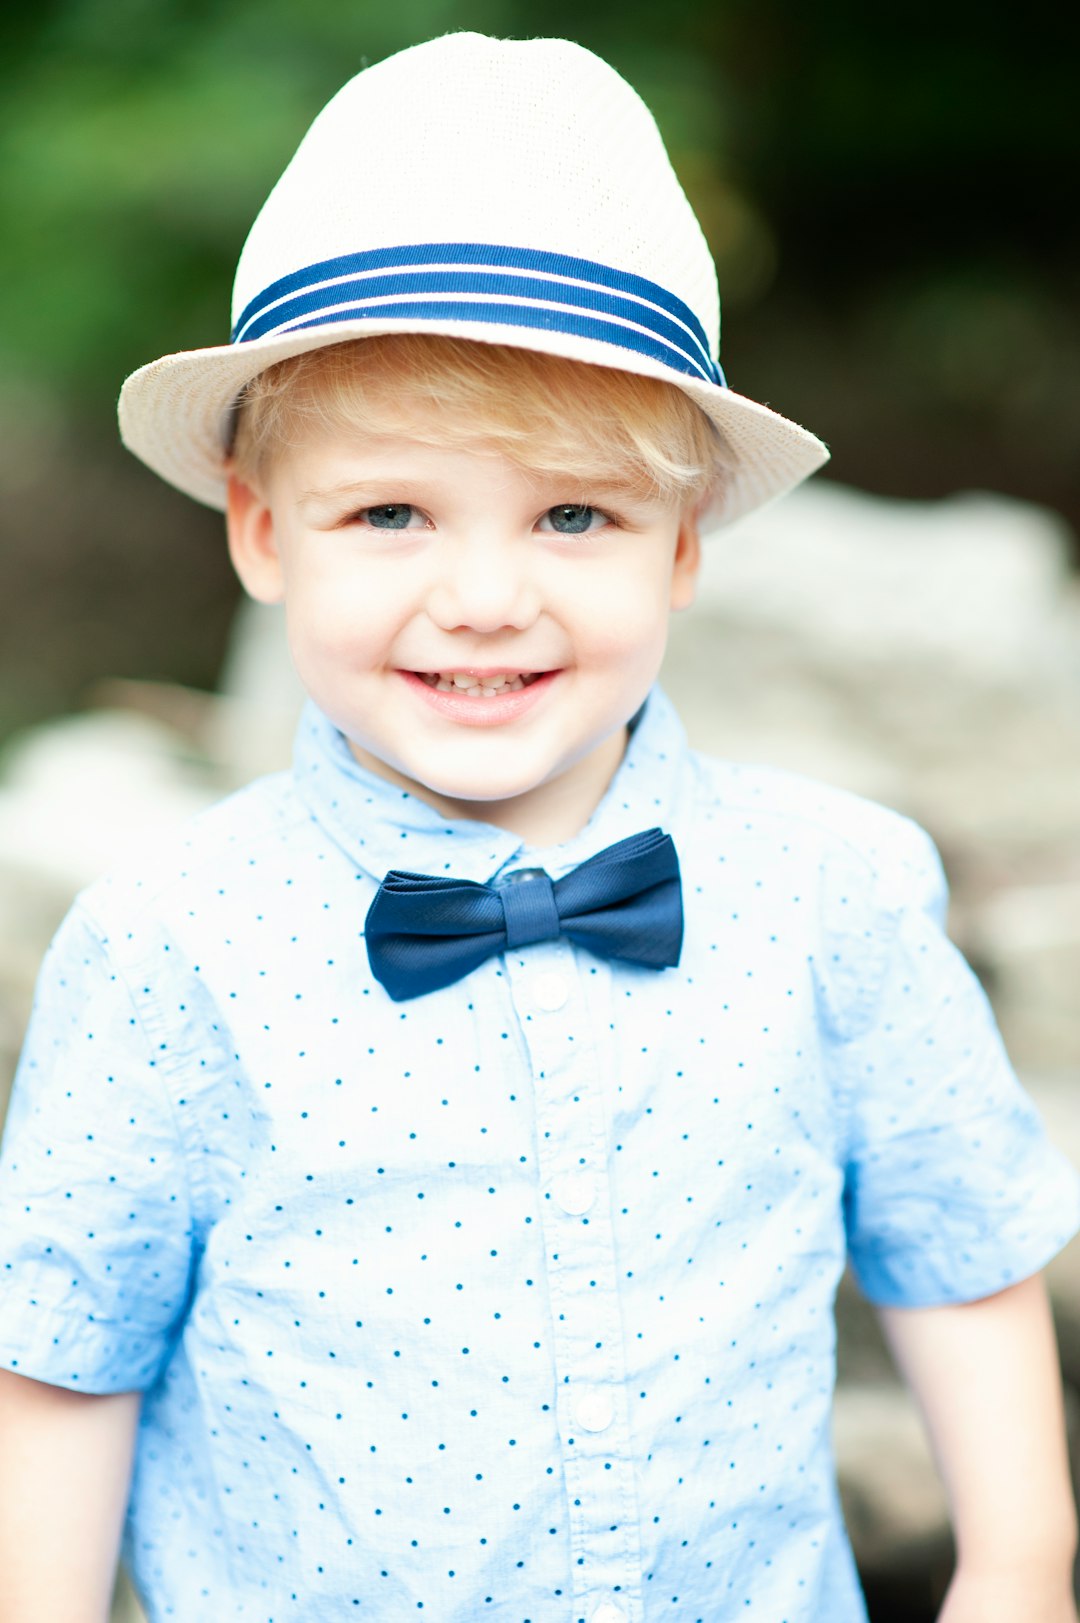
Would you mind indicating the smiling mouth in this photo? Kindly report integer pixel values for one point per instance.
(479, 687)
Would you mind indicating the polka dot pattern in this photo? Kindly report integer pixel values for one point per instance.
(514, 1301)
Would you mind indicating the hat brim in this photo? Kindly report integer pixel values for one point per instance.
(176, 413)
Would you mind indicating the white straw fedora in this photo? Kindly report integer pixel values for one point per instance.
(509, 191)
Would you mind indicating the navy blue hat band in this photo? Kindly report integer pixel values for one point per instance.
(552, 292)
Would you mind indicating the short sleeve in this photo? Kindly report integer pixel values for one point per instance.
(95, 1223)
(952, 1189)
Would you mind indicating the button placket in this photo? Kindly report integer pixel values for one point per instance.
(582, 1280)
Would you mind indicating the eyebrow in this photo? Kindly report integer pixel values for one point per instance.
(353, 487)
(568, 486)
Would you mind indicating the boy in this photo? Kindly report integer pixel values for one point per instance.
(461, 1190)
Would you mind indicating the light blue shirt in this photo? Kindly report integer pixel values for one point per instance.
(514, 1301)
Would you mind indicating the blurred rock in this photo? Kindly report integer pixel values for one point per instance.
(252, 730)
(976, 583)
(1030, 935)
(76, 796)
(77, 793)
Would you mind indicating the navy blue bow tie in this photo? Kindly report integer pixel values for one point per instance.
(625, 902)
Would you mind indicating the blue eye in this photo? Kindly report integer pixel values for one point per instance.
(569, 519)
(391, 516)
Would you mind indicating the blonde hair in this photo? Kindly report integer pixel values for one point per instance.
(548, 414)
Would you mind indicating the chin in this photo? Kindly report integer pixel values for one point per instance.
(489, 793)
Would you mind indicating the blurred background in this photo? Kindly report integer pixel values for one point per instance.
(891, 200)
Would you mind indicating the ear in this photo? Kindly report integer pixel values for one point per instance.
(687, 562)
(249, 523)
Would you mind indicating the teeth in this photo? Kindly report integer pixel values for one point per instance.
(476, 687)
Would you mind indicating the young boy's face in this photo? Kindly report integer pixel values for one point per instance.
(480, 635)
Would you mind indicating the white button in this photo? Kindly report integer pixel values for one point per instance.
(574, 1192)
(594, 1411)
(608, 1612)
(550, 991)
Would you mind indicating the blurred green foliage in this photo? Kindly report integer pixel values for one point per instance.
(888, 193)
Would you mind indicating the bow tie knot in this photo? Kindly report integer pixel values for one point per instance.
(625, 902)
(529, 907)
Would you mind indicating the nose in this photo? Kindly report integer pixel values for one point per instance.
(484, 583)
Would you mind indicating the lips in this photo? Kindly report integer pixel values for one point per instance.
(481, 698)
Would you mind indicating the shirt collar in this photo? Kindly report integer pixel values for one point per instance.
(380, 826)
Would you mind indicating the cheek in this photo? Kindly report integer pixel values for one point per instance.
(630, 617)
(331, 623)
